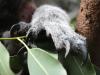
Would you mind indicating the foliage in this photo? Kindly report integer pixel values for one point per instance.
(4, 61)
(75, 66)
(44, 63)
(41, 62)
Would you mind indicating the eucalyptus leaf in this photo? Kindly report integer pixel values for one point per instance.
(97, 70)
(41, 62)
(74, 66)
(54, 55)
(4, 62)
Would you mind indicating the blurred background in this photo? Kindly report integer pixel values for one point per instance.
(71, 6)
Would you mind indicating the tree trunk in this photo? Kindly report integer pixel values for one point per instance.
(88, 24)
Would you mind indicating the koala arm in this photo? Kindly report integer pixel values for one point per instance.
(55, 22)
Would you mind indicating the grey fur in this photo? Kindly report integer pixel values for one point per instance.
(56, 23)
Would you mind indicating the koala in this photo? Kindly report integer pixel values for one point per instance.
(52, 24)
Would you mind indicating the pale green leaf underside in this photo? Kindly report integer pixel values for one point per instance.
(42, 63)
(4, 61)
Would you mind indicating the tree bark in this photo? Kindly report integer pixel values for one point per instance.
(88, 24)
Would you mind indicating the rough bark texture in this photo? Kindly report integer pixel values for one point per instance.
(88, 24)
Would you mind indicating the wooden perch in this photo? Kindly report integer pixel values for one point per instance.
(88, 24)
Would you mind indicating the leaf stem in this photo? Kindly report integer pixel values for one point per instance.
(12, 38)
(22, 43)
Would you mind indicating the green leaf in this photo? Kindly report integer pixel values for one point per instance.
(4, 61)
(73, 23)
(54, 55)
(41, 62)
(16, 61)
(97, 70)
(74, 66)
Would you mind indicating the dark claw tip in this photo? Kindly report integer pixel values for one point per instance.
(14, 29)
(84, 55)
